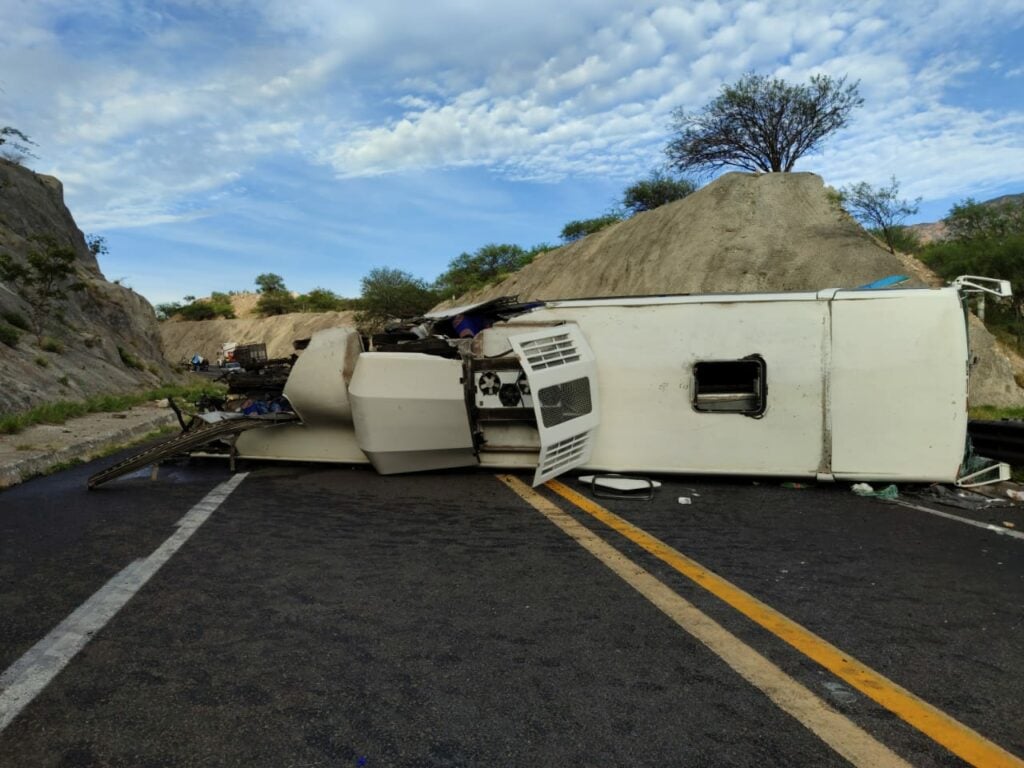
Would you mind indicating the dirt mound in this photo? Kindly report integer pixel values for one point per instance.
(182, 339)
(741, 233)
(245, 304)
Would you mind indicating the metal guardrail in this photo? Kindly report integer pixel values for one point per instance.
(999, 440)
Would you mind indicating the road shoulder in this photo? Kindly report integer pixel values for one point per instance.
(40, 448)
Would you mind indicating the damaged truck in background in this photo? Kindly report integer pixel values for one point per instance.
(836, 384)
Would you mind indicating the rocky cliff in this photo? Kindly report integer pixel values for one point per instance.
(102, 339)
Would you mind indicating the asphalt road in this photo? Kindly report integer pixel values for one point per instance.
(332, 617)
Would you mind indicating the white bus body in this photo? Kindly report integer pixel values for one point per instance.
(838, 384)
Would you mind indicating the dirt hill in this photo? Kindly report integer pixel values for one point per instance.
(106, 334)
(743, 232)
(182, 339)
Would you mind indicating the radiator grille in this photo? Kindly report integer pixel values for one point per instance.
(550, 351)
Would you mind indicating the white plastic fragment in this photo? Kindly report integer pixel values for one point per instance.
(862, 488)
(619, 483)
(684, 500)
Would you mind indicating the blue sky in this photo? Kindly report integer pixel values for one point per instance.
(210, 142)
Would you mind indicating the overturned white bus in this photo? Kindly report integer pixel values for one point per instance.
(834, 385)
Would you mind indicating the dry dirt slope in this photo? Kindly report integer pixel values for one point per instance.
(183, 338)
(743, 232)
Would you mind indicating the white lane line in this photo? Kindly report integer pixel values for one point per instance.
(1002, 531)
(30, 674)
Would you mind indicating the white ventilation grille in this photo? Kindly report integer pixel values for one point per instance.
(550, 351)
(561, 368)
(565, 454)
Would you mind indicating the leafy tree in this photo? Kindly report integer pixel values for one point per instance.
(761, 124)
(275, 298)
(167, 310)
(880, 208)
(218, 305)
(97, 245)
(222, 305)
(323, 300)
(971, 220)
(15, 145)
(536, 250)
(656, 190)
(390, 293)
(985, 239)
(268, 282)
(903, 239)
(276, 303)
(200, 309)
(574, 230)
(470, 271)
(44, 280)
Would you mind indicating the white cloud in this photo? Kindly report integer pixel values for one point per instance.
(150, 113)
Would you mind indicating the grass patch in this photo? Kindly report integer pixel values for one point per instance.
(60, 411)
(51, 345)
(9, 335)
(994, 413)
(130, 360)
(42, 362)
(16, 319)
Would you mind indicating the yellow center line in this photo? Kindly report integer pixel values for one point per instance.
(834, 729)
(962, 741)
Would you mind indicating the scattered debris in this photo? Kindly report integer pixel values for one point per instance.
(797, 486)
(685, 500)
(961, 498)
(621, 486)
(840, 693)
(863, 489)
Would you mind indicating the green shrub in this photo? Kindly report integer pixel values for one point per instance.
(276, 303)
(49, 344)
(60, 411)
(42, 362)
(222, 305)
(198, 310)
(9, 335)
(130, 360)
(489, 264)
(323, 300)
(16, 319)
(575, 230)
